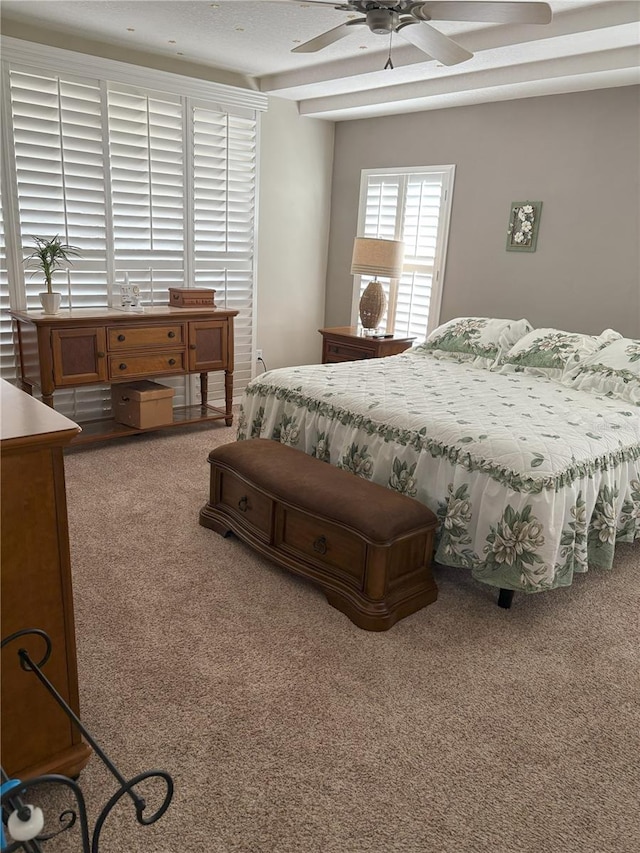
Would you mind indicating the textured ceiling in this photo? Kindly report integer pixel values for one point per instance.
(587, 45)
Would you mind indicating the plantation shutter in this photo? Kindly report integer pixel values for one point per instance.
(421, 217)
(60, 172)
(154, 187)
(60, 179)
(224, 166)
(7, 353)
(146, 160)
(409, 206)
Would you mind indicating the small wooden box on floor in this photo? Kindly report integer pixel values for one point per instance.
(143, 404)
(368, 547)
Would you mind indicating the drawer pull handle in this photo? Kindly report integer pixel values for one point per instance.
(243, 504)
(172, 361)
(192, 346)
(171, 334)
(320, 545)
(122, 366)
(121, 337)
(100, 354)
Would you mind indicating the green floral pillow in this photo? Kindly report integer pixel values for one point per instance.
(547, 352)
(478, 340)
(613, 371)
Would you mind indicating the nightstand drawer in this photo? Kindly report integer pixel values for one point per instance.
(139, 337)
(146, 364)
(343, 352)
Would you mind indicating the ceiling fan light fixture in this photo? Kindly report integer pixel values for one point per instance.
(382, 21)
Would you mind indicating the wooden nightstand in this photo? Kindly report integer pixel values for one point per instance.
(343, 343)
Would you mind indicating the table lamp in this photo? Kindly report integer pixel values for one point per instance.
(374, 256)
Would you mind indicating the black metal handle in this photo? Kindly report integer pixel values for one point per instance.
(122, 366)
(243, 503)
(320, 545)
(172, 361)
(171, 334)
(121, 337)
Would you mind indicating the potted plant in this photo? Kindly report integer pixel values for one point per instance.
(50, 255)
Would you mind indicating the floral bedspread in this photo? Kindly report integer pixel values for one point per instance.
(530, 480)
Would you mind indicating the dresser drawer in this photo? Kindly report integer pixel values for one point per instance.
(138, 337)
(251, 506)
(146, 364)
(324, 543)
(344, 352)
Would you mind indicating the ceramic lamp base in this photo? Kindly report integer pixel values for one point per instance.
(372, 306)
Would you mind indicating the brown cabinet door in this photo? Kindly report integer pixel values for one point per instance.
(79, 356)
(208, 345)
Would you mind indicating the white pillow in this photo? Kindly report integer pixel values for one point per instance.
(614, 370)
(547, 352)
(478, 340)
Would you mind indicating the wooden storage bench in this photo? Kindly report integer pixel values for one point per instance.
(368, 547)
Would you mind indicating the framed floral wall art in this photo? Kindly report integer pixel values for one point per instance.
(524, 221)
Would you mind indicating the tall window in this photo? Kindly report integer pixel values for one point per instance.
(415, 207)
(154, 180)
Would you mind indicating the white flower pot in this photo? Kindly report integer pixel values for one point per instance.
(50, 302)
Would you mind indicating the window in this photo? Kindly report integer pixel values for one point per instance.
(148, 174)
(415, 207)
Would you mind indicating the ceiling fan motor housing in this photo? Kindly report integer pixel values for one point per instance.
(382, 21)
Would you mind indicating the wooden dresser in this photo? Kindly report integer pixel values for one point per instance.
(344, 343)
(37, 736)
(93, 346)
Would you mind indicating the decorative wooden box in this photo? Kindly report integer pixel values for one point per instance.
(143, 404)
(191, 297)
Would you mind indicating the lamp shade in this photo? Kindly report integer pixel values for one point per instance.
(373, 256)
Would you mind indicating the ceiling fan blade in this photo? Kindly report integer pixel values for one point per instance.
(487, 12)
(323, 40)
(433, 43)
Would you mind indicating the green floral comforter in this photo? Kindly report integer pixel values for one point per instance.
(531, 481)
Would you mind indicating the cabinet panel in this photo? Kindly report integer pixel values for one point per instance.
(37, 736)
(137, 337)
(208, 345)
(78, 356)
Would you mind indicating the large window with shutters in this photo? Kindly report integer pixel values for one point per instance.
(149, 175)
(413, 206)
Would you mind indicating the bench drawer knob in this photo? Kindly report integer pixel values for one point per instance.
(243, 504)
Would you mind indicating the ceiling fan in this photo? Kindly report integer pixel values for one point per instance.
(385, 17)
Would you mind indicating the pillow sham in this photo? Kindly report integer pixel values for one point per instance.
(614, 370)
(478, 340)
(547, 352)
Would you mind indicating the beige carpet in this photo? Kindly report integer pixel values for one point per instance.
(289, 730)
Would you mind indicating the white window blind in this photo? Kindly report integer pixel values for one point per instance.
(152, 184)
(224, 167)
(413, 207)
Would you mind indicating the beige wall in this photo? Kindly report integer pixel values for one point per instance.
(577, 153)
(296, 157)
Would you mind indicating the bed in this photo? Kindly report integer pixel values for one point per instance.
(531, 480)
